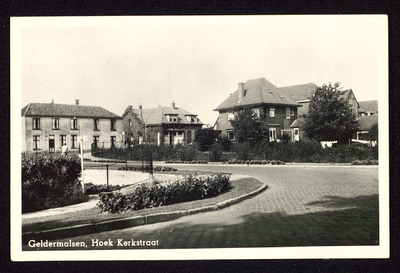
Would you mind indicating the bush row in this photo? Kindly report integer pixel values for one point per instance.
(162, 194)
(256, 162)
(365, 162)
(49, 182)
(144, 168)
(186, 162)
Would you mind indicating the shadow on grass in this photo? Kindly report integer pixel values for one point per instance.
(356, 226)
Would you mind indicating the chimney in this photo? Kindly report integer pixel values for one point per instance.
(52, 101)
(140, 107)
(240, 91)
(173, 105)
(76, 102)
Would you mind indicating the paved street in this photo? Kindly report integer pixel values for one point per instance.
(303, 206)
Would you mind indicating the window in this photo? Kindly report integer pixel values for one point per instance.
(288, 112)
(231, 135)
(292, 113)
(256, 112)
(231, 115)
(113, 125)
(74, 124)
(63, 139)
(272, 112)
(36, 123)
(95, 141)
(113, 140)
(56, 123)
(189, 136)
(96, 124)
(36, 142)
(129, 123)
(74, 141)
(272, 134)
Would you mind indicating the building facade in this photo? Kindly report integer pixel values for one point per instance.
(267, 101)
(302, 94)
(161, 125)
(46, 126)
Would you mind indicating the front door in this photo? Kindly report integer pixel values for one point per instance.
(51, 144)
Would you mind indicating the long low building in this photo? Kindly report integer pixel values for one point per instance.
(46, 126)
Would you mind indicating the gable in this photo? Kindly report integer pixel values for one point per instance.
(257, 92)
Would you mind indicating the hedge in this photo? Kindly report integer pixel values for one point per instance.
(186, 189)
(49, 182)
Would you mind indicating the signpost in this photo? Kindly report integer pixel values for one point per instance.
(83, 183)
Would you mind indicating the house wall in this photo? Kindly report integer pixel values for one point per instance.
(85, 129)
(279, 122)
(135, 130)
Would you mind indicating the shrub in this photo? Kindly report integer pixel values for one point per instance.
(187, 189)
(188, 153)
(216, 152)
(50, 182)
(243, 150)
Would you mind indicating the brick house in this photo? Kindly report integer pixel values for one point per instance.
(370, 107)
(161, 125)
(46, 126)
(269, 102)
(303, 92)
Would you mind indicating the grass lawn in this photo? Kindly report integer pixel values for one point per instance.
(239, 187)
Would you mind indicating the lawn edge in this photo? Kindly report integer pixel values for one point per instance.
(109, 225)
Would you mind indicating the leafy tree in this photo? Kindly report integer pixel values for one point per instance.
(206, 138)
(248, 127)
(329, 117)
(373, 132)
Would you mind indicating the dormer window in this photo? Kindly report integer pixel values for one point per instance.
(172, 118)
(191, 118)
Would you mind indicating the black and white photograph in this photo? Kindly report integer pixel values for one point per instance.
(199, 137)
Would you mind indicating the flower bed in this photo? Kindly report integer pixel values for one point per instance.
(186, 162)
(256, 162)
(141, 168)
(166, 193)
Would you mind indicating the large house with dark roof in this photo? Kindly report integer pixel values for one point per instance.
(46, 126)
(370, 107)
(267, 101)
(162, 125)
(303, 92)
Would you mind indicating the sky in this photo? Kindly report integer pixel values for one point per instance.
(195, 61)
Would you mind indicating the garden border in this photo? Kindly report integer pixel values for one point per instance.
(85, 229)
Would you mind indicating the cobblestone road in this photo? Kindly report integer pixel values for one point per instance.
(303, 206)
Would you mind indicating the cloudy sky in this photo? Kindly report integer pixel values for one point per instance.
(197, 62)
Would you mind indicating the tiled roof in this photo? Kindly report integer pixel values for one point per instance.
(299, 122)
(156, 116)
(300, 92)
(66, 110)
(370, 105)
(258, 91)
(366, 122)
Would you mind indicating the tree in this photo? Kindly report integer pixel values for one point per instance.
(206, 138)
(248, 127)
(329, 117)
(373, 133)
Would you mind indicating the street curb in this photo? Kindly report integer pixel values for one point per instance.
(134, 221)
